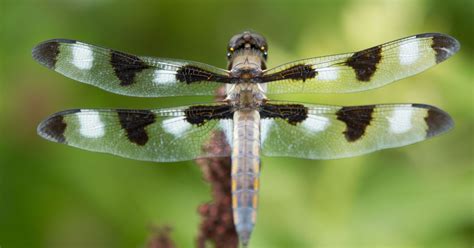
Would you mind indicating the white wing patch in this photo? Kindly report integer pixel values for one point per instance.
(90, 124)
(401, 120)
(409, 53)
(316, 123)
(163, 77)
(176, 126)
(82, 56)
(328, 75)
(265, 125)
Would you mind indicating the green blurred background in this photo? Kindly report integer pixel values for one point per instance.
(57, 196)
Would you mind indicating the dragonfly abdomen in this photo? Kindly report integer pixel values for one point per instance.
(245, 172)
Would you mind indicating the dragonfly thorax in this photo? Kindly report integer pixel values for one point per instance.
(247, 58)
(245, 96)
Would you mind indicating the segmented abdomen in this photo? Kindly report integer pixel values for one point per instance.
(245, 171)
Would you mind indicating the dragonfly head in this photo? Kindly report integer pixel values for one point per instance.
(247, 41)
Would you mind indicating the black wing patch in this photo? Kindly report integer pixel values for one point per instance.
(296, 72)
(134, 123)
(437, 120)
(444, 47)
(200, 114)
(47, 52)
(356, 118)
(365, 63)
(190, 74)
(54, 127)
(292, 113)
(126, 66)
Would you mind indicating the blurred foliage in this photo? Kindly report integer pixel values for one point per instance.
(57, 196)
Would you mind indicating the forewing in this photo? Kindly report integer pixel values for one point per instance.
(328, 132)
(162, 135)
(363, 70)
(128, 74)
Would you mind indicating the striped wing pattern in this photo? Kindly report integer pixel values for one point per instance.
(287, 129)
(162, 135)
(329, 132)
(363, 70)
(128, 74)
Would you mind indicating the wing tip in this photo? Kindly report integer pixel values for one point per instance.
(46, 52)
(437, 120)
(53, 127)
(444, 45)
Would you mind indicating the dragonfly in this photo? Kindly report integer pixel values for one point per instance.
(250, 123)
